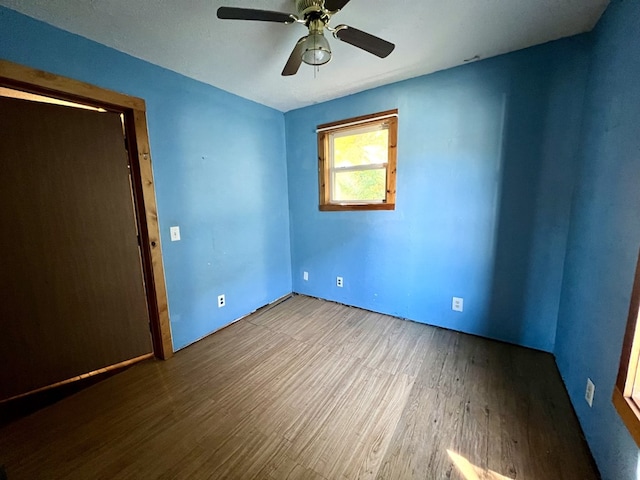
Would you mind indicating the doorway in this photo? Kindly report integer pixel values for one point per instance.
(143, 301)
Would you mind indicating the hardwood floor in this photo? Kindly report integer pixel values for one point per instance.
(311, 389)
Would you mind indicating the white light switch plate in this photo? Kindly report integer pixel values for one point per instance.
(175, 234)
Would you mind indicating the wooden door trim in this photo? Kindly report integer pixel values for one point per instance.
(17, 76)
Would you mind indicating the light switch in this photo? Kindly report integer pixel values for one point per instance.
(175, 234)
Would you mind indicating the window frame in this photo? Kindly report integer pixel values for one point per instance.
(324, 131)
(628, 378)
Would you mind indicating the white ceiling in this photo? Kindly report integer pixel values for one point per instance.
(246, 58)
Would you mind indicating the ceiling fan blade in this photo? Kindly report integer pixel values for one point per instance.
(364, 40)
(295, 59)
(333, 5)
(233, 13)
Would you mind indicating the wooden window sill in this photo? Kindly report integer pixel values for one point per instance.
(370, 206)
(629, 412)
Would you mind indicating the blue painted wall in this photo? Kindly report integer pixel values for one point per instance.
(604, 239)
(220, 172)
(486, 165)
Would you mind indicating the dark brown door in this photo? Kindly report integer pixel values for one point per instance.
(72, 295)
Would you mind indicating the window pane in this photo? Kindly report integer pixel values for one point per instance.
(364, 185)
(635, 393)
(366, 148)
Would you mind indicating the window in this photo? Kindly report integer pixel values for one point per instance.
(357, 163)
(626, 394)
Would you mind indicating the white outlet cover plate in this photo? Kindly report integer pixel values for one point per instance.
(221, 301)
(305, 276)
(339, 281)
(457, 304)
(175, 234)
(590, 392)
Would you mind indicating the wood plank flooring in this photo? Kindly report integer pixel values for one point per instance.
(311, 389)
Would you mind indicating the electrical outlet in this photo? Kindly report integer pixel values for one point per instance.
(305, 276)
(457, 304)
(591, 390)
(175, 233)
(221, 301)
(339, 281)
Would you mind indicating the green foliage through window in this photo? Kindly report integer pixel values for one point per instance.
(361, 149)
(360, 185)
(359, 171)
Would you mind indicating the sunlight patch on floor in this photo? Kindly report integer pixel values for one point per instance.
(471, 472)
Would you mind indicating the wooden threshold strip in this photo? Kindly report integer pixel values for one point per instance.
(100, 371)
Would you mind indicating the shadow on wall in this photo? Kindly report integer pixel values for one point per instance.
(521, 167)
(542, 131)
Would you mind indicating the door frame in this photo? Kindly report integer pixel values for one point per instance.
(133, 109)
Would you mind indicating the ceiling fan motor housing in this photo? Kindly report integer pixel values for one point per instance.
(306, 7)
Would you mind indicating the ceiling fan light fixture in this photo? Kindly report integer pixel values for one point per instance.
(316, 50)
(312, 49)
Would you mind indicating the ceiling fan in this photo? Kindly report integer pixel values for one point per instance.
(313, 49)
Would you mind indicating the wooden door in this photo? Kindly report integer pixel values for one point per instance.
(72, 294)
